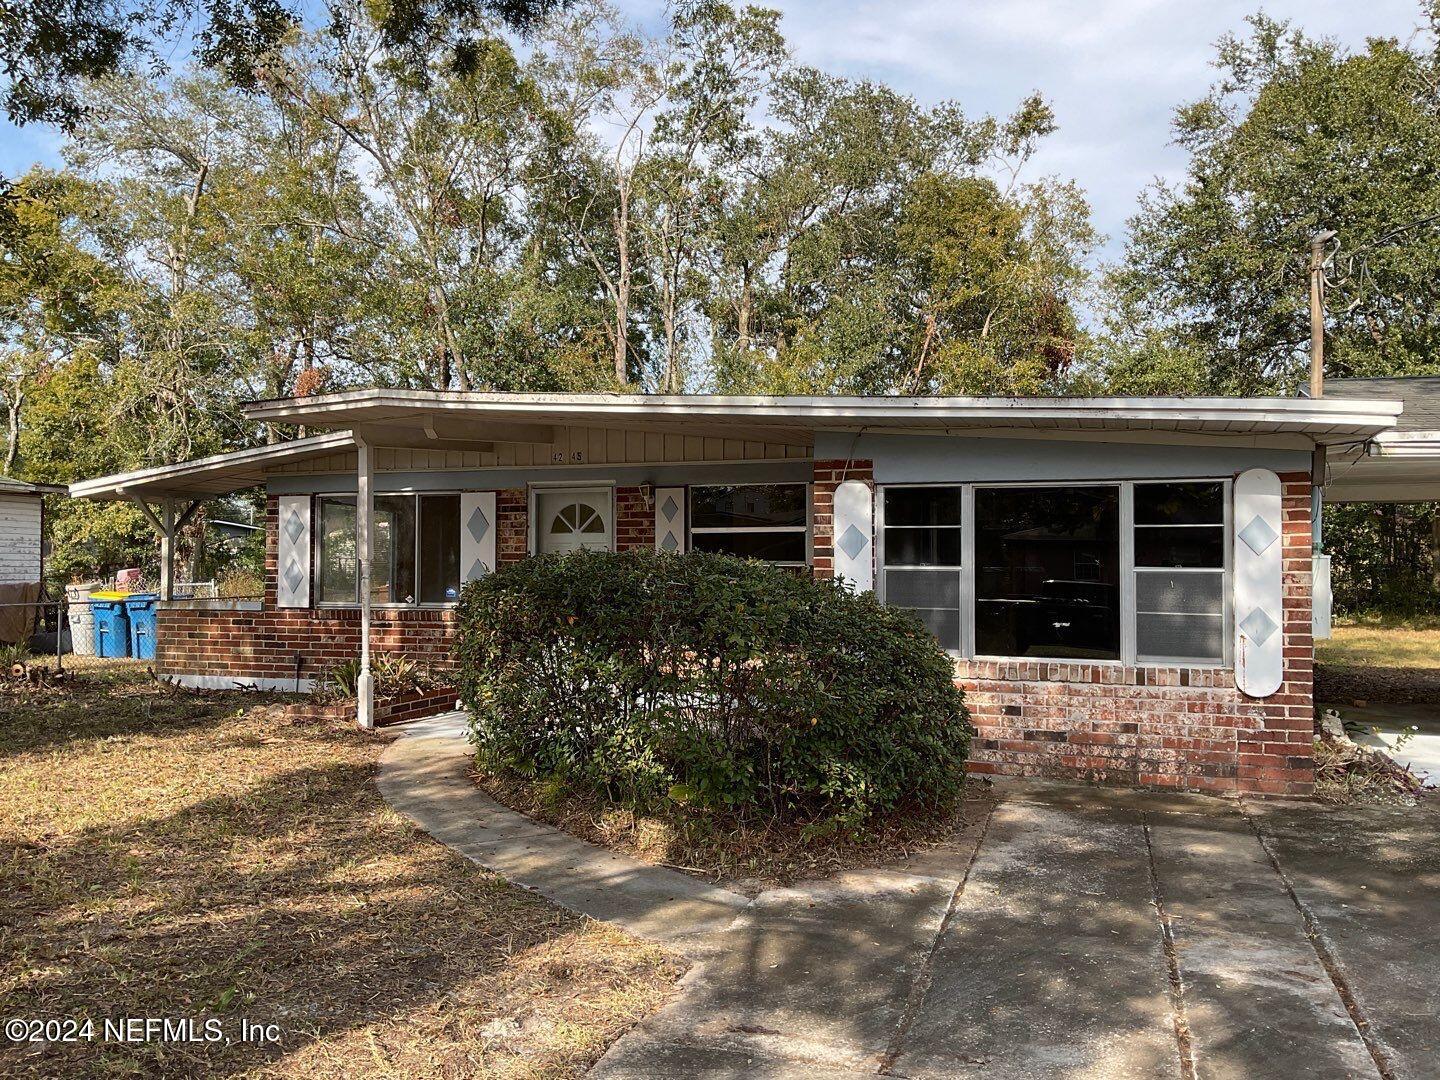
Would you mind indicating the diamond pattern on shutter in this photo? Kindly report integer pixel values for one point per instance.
(292, 590)
(477, 534)
(670, 519)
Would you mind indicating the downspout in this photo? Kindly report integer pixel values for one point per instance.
(364, 511)
(1318, 243)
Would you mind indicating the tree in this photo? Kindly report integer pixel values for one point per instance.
(56, 298)
(1296, 136)
(878, 247)
(50, 50)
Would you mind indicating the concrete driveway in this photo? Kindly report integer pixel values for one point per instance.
(1076, 932)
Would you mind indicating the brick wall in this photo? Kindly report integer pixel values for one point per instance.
(263, 644)
(512, 538)
(828, 476)
(1172, 727)
(634, 521)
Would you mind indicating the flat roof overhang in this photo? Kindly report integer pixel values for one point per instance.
(1395, 467)
(455, 414)
(460, 420)
(210, 477)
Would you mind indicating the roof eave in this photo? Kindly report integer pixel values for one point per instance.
(1333, 420)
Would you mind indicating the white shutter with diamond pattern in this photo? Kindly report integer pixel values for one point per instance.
(670, 519)
(854, 523)
(477, 534)
(292, 587)
(1259, 584)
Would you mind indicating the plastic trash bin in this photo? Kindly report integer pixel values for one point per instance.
(140, 610)
(81, 619)
(112, 627)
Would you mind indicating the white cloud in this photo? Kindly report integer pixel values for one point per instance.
(1114, 70)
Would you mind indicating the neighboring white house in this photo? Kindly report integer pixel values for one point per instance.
(22, 519)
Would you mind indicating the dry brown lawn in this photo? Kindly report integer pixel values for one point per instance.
(171, 855)
(1391, 647)
(1374, 663)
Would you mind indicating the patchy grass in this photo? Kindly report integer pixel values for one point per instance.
(747, 855)
(166, 854)
(1382, 646)
(1372, 662)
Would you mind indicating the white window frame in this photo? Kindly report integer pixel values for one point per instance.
(967, 554)
(715, 530)
(1127, 568)
(317, 535)
(552, 487)
(1224, 570)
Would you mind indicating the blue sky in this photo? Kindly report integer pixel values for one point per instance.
(1113, 69)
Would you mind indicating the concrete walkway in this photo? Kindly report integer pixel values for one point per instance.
(1085, 933)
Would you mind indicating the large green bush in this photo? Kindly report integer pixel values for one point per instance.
(711, 681)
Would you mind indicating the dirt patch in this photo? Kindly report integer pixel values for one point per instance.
(746, 856)
(1349, 683)
(167, 854)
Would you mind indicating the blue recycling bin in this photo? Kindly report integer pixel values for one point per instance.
(112, 625)
(140, 610)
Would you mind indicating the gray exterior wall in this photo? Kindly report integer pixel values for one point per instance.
(928, 459)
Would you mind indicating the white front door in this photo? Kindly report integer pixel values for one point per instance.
(567, 520)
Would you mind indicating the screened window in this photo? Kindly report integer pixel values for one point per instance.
(1047, 572)
(753, 521)
(1180, 571)
(922, 555)
(416, 546)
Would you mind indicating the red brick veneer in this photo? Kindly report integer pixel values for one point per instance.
(512, 539)
(263, 644)
(634, 521)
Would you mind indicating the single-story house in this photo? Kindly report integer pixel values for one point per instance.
(1125, 584)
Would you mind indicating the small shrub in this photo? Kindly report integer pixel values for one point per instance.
(393, 675)
(709, 682)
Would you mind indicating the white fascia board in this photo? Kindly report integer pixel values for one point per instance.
(1356, 416)
(1406, 444)
(156, 477)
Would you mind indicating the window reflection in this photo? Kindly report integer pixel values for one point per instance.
(1047, 572)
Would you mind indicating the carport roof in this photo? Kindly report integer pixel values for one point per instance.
(1400, 465)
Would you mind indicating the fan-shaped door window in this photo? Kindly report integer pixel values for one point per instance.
(571, 520)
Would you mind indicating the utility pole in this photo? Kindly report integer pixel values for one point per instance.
(1317, 311)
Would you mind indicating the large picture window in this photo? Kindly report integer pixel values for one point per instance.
(1047, 572)
(922, 556)
(1135, 571)
(754, 521)
(416, 545)
(1180, 571)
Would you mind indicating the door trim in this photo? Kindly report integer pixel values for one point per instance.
(607, 490)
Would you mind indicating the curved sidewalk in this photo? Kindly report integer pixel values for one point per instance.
(425, 774)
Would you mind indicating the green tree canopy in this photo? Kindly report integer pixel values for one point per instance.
(1298, 135)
